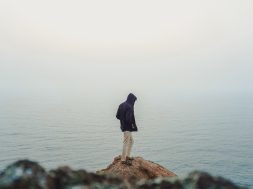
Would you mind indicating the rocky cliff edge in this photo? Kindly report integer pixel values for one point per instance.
(26, 174)
(139, 169)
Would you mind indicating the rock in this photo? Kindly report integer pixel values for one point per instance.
(27, 174)
(201, 180)
(140, 169)
(195, 180)
(66, 178)
(23, 174)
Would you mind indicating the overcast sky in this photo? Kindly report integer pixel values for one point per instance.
(80, 46)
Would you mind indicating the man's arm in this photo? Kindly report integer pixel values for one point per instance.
(130, 118)
(133, 119)
(118, 115)
(134, 123)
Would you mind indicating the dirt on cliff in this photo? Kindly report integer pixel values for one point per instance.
(140, 169)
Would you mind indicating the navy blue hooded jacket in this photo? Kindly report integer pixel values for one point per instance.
(125, 114)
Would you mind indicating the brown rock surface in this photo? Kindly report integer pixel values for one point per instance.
(140, 169)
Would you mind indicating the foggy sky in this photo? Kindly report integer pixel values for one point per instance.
(114, 46)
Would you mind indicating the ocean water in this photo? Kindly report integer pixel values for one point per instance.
(183, 134)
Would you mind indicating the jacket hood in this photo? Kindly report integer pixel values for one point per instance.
(131, 99)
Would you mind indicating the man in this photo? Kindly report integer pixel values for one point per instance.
(125, 114)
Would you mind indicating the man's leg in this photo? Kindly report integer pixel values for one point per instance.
(125, 145)
(131, 142)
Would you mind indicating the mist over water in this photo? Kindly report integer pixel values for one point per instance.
(66, 66)
(182, 134)
(193, 112)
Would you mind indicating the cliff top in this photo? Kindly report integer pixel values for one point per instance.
(140, 169)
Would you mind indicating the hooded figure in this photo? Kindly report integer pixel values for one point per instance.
(125, 114)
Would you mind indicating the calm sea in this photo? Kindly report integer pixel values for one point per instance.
(183, 134)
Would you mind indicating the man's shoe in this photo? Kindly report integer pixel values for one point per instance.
(130, 158)
(118, 157)
(126, 162)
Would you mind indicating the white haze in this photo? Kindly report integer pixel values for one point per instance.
(98, 48)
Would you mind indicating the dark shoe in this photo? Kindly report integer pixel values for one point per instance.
(126, 162)
(117, 158)
(130, 158)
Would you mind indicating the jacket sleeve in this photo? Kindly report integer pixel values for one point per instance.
(134, 119)
(131, 120)
(130, 116)
(118, 113)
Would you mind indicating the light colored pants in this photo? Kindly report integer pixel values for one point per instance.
(127, 145)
